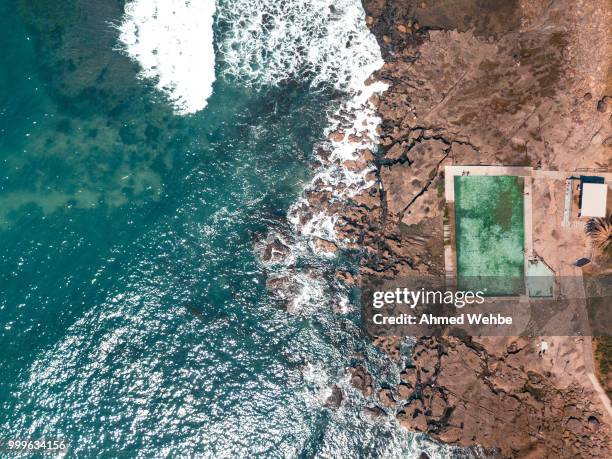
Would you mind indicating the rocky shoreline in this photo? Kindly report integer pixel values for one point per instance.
(514, 83)
(469, 82)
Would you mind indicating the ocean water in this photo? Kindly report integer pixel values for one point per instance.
(134, 318)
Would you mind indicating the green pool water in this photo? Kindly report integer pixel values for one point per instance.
(490, 233)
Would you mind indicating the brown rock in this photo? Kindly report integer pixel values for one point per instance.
(386, 398)
(366, 155)
(346, 277)
(409, 377)
(375, 101)
(336, 397)
(336, 136)
(404, 391)
(282, 287)
(275, 251)
(481, 83)
(437, 406)
(362, 380)
(390, 344)
(374, 411)
(324, 245)
(355, 165)
(323, 155)
(412, 419)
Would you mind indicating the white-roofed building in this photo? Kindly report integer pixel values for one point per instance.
(594, 199)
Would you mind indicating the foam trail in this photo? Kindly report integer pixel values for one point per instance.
(172, 41)
(347, 172)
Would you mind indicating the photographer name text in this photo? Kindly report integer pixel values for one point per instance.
(430, 319)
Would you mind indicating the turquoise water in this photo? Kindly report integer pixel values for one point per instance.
(134, 320)
(490, 233)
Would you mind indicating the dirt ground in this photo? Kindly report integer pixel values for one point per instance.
(557, 245)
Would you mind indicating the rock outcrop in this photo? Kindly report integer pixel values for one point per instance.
(466, 393)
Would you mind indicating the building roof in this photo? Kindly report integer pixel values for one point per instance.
(591, 179)
(594, 197)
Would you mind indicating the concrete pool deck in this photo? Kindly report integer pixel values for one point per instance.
(552, 234)
(450, 172)
(528, 222)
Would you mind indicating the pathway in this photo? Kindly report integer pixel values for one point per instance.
(587, 348)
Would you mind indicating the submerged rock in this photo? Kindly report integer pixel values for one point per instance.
(362, 380)
(336, 397)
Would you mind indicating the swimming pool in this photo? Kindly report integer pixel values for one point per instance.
(490, 233)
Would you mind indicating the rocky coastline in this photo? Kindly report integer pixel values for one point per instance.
(514, 83)
(468, 82)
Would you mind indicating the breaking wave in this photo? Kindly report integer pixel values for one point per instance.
(324, 42)
(172, 41)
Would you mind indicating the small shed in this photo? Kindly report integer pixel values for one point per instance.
(594, 196)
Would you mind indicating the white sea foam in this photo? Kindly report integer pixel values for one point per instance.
(355, 119)
(323, 42)
(327, 44)
(172, 41)
(310, 294)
